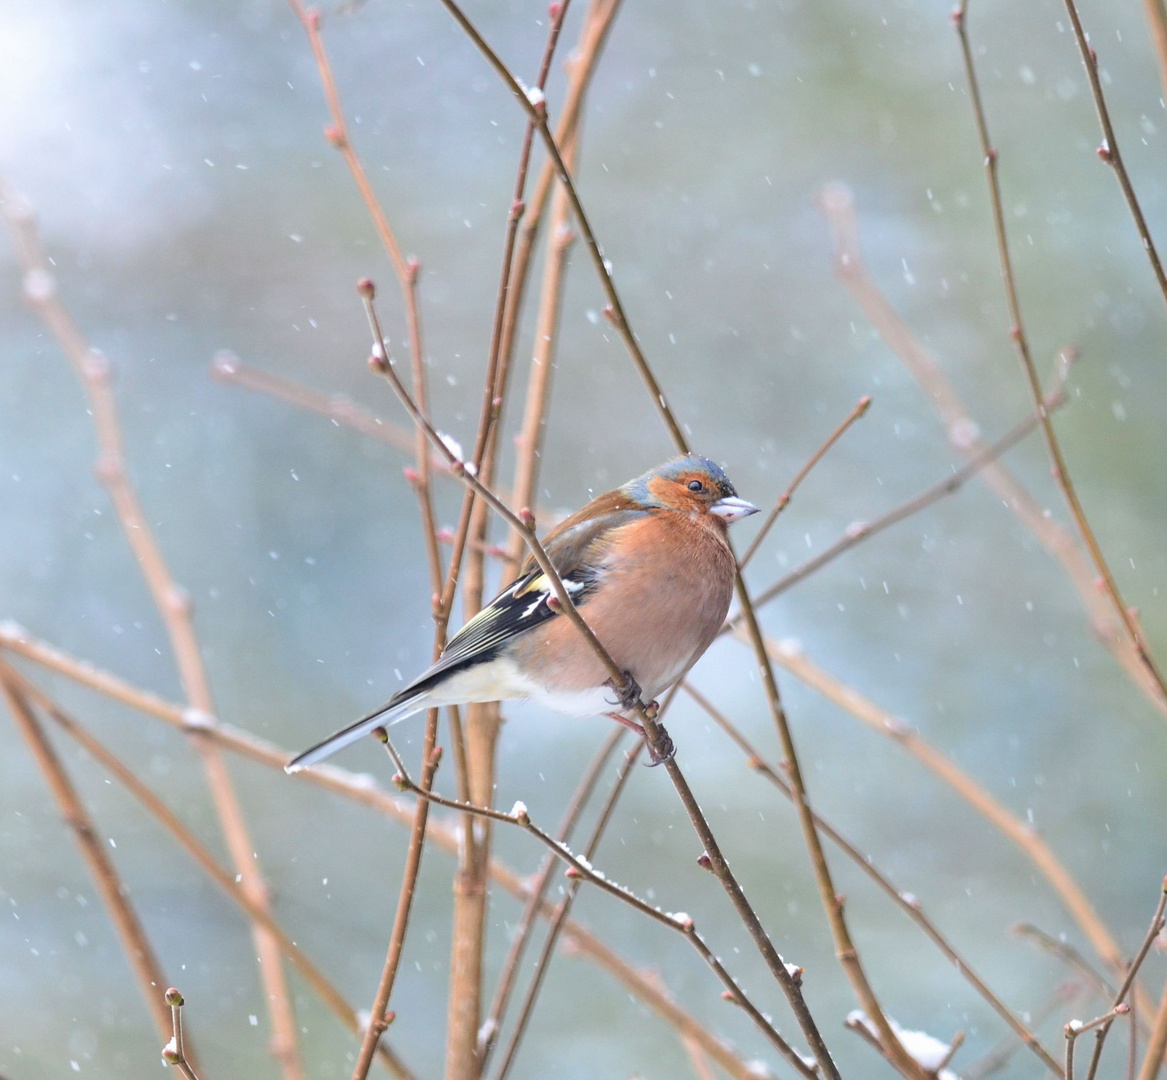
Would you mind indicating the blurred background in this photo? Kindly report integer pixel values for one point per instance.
(190, 204)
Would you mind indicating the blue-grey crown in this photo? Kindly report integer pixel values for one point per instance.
(677, 467)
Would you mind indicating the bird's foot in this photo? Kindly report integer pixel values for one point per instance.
(627, 693)
(664, 751)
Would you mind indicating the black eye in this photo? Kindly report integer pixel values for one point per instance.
(696, 485)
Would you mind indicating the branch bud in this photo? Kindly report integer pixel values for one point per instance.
(335, 136)
(366, 289)
(174, 998)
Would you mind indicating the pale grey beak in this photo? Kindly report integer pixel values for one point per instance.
(731, 509)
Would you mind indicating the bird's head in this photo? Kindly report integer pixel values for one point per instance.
(692, 485)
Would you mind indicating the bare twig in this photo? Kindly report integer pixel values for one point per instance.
(1077, 1027)
(784, 499)
(860, 531)
(1021, 340)
(1070, 956)
(679, 922)
(471, 896)
(226, 881)
(906, 902)
(357, 789)
(522, 935)
(228, 368)
(963, 433)
(1120, 1003)
(999, 1056)
(1023, 835)
(174, 1052)
(536, 108)
(173, 604)
(1157, 17)
(1157, 1044)
(1108, 151)
(135, 944)
(563, 911)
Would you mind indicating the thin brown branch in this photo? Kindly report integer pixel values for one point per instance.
(535, 107)
(861, 531)
(1021, 834)
(1157, 17)
(1120, 1002)
(357, 789)
(1021, 340)
(174, 1053)
(1069, 955)
(1000, 1055)
(906, 902)
(471, 896)
(580, 68)
(114, 895)
(562, 911)
(1077, 1027)
(228, 368)
(784, 499)
(1108, 151)
(832, 901)
(580, 867)
(227, 882)
(173, 604)
(379, 1015)
(838, 206)
(1157, 1044)
(526, 924)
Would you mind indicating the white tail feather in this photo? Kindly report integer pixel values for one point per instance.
(384, 717)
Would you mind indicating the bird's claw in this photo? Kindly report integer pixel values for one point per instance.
(666, 752)
(628, 692)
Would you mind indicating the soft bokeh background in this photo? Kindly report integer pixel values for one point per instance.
(190, 204)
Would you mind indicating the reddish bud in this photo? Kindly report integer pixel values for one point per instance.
(727, 995)
(378, 364)
(436, 757)
(412, 268)
(1015, 333)
(334, 136)
(518, 207)
(573, 873)
(991, 156)
(174, 998)
(313, 18)
(554, 9)
(553, 603)
(366, 289)
(704, 861)
(956, 17)
(527, 517)
(412, 476)
(381, 734)
(1105, 154)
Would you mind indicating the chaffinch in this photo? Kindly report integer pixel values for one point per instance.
(649, 568)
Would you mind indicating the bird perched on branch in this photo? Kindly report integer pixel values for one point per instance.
(649, 569)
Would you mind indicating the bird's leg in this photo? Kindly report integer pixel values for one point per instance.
(667, 750)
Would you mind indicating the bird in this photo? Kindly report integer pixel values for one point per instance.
(650, 569)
